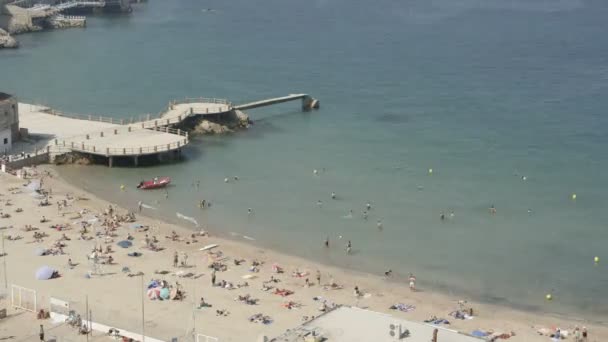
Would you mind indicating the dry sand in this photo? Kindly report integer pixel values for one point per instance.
(115, 299)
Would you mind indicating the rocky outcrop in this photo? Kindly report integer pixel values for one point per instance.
(19, 20)
(74, 158)
(225, 123)
(6, 41)
(208, 127)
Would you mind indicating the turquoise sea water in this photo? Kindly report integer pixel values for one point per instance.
(482, 92)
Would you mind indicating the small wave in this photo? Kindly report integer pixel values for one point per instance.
(187, 218)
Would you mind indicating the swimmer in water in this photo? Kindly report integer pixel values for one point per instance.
(315, 171)
(249, 211)
(349, 247)
(327, 242)
(388, 273)
(452, 214)
(442, 216)
(333, 195)
(379, 225)
(236, 178)
(365, 215)
(492, 209)
(319, 203)
(368, 206)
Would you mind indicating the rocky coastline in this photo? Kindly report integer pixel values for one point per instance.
(6, 41)
(230, 122)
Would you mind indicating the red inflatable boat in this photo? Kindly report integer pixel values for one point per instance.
(156, 183)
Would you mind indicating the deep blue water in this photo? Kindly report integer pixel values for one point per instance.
(482, 92)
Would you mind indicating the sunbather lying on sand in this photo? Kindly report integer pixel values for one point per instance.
(283, 292)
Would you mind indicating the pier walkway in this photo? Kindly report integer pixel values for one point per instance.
(146, 135)
(79, 4)
(63, 134)
(307, 102)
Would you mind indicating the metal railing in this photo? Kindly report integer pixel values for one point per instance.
(149, 120)
(69, 17)
(202, 100)
(78, 143)
(97, 118)
(65, 147)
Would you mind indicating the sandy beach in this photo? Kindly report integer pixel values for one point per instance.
(114, 291)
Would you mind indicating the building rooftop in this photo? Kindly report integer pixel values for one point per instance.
(351, 324)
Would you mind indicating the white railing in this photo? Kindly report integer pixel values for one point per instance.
(203, 100)
(97, 118)
(69, 17)
(78, 143)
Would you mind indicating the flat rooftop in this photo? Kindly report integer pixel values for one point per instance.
(351, 324)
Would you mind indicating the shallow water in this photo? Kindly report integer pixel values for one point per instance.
(482, 92)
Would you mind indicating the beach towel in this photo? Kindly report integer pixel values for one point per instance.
(479, 333)
(403, 307)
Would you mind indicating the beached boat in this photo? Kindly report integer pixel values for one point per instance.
(156, 183)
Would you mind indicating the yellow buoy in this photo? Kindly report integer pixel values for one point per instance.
(549, 296)
(596, 259)
(430, 171)
(573, 197)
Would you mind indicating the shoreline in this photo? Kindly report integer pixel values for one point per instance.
(383, 292)
(350, 270)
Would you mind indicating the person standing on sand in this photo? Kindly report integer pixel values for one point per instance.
(319, 277)
(412, 280)
(41, 335)
(349, 247)
(139, 206)
(175, 259)
(213, 278)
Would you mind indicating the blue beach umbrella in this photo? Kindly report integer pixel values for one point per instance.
(125, 243)
(44, 273)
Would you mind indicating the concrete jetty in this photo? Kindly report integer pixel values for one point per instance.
(99, 136)
(308, 102)
(132, 138)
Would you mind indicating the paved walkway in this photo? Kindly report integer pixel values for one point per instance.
(97, 137)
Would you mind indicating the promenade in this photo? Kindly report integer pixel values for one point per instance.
(59, 133)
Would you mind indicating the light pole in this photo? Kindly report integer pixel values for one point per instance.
(4, 263)
(143, 319)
